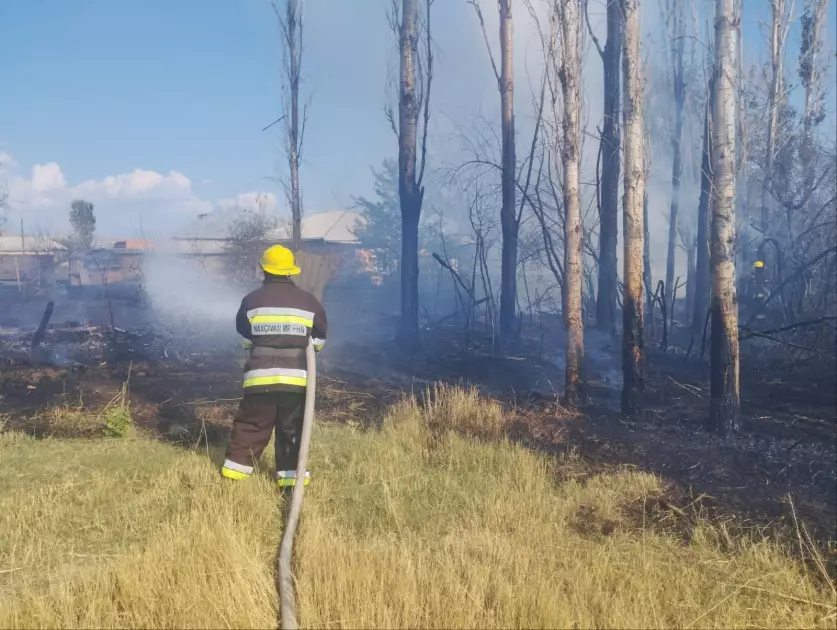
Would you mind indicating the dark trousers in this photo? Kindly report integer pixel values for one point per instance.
(257, 416)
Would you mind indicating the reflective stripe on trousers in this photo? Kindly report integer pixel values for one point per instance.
(234, 470)
(284, 478)
(275, 376)
(287, 478)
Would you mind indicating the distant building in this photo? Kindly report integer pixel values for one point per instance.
(115, 272)
(212, 231)
(332, 234)
(338, 227)
(28, 261)
(135, 244)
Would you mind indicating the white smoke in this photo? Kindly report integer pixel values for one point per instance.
(191, 306)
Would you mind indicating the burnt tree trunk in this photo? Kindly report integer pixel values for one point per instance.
(633, 217)
(569, 75)
(724, 416)
(702, 268)
(508, 218)
(410, 192)
(647, 279)
(293, 157)
(291, 26)
(810, 74)
(690, 245)
(676, 140)
(778, 32)
(611, 163)
(38, 337)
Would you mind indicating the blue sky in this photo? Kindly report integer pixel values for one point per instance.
(104, 87)
(101, 88)
(98, 88)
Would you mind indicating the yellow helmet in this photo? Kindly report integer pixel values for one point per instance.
(758, 264)
(279, 261)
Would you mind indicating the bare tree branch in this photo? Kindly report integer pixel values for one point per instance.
(476, 5)
(426, 97)
(590, 28)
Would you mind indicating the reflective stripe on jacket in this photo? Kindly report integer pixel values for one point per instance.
(278, 319)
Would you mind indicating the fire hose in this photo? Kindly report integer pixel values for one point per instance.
(287, 601)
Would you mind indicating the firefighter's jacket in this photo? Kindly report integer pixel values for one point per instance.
(278, 319)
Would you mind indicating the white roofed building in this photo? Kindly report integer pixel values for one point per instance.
(338, 226)
(332, 235)
(18, 245)
(28, 260)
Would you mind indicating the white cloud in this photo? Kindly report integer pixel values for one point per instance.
(7, 161)
(126, 203)
(47, 177)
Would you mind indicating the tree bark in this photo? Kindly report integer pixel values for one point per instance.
(702, 266)
(293, 154)
(724, 416)
(691, 246)
(810, 74)
(290, 24)
(778, 32)
(676, 140)
(647, 279)
(410, 192)
(569, 75)
(633, 219)
(508, 218)
(611, 163)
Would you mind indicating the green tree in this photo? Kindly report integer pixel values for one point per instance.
(83, 221)
(247, 236)
(381, 230)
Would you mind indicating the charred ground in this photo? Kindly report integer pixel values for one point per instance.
(188, 394)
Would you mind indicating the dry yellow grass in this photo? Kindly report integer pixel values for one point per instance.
(403, 528)
(118, 533)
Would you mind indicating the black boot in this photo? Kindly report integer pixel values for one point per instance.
(287, 495)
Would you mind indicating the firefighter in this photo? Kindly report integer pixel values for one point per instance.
(760, 286)
(758, 281)
(756, 289)
(276, 320)
(759, 278)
